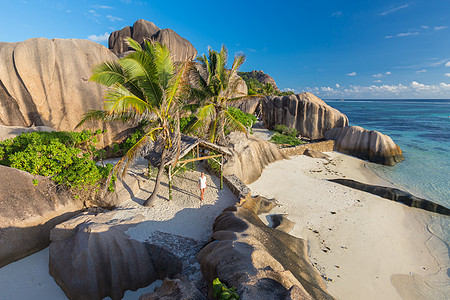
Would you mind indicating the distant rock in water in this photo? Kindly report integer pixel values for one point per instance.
(311, 116)
(396, 195)
(366, 144)
(30, 206)
(142, 30)
(250, 156)
(46, 83)
(260, 261)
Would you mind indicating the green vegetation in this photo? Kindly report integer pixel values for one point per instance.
(222, 292)
(285, 136)
(254, 87)
(143, 86)
(213, 92)
(244, 118)
(65, 157)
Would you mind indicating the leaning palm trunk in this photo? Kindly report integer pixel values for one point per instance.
(151, 200)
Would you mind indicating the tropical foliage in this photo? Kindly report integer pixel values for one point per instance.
(66, 157)
(215, 85)
(143, 86)
(222, 292)
(254, 87)
(285, 136)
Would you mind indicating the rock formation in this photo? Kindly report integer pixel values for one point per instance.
(396, 195)
(28, 212)
(92, 257)
(311, 116)
(261, 262)
(46, 83)
(262, 78)
(248, 105)
(175, 289)
(10, 132)
(250, 156)
(142, 30)
(365, 144)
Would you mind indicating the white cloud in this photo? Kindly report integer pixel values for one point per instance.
(393, 10)
(447, 64)
(379, 75)
(439, 27)
(99, 38)
(378, 81)
(402, 34)
(103, 7)
(337, 85)
(424, 26)
(351, 74)
(388, 37)
(68, 11)
(421, 71)
(413, 90)
(447, 74)
(336, 14)
(388, 73)
(113, 19)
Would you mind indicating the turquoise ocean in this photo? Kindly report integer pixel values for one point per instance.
(422, 130)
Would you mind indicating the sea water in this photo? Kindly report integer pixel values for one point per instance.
(422, 130)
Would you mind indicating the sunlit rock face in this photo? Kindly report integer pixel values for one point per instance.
(46, 83)
(366, 144)
(311, 116)
(143, 30)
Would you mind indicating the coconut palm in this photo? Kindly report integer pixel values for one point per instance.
(214, 86)
(143, 86)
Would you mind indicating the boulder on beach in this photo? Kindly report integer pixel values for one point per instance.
(311, 116)
(179, 288)
(248, 105)
(250, 156)
(366, 144)
(92, 257)
(260, 261)
(46, 83)
(30, 206)
(143, 30)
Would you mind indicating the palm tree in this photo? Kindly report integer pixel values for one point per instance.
(143, 86)
(214, 86)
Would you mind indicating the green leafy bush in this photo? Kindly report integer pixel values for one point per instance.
(255, 87)
(244, 118)
(222, 292)
(282, 139)
(66, 157)
(286, 130)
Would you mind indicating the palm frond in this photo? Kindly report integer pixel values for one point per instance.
(134, 44)
(233, 123)
(119, 99)
(109, 73)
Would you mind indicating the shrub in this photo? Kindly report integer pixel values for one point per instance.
(222, 292)
(286, 130)
(244, 118)
(66, 157)
(283, 139)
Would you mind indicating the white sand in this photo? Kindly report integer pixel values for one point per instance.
(356, 240)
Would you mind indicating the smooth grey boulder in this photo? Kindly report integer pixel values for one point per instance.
(28, 211)
(250, 156)
(179, 288)
(92, 257)
(261, 262)
(46, 83)
(251, 105)
(396, 195)
(142, 30)
(315, 154)
(366, 144)
(311, 116)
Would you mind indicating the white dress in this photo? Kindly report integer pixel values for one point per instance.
(202, 182)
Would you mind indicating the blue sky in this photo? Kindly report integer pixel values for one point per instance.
(335, 49)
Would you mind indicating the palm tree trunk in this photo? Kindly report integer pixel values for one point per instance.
(150, 201)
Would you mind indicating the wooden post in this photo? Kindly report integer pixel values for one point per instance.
(170, 182)
(221, 172)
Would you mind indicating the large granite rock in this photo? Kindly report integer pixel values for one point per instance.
(28, 212)
(396, 195)
(92, 257)
(365, 144)
(250, 156)
(251, 105)
(142, 30)
(46, 83)
(175, 289)
(311, 116)
(261, 262)
(262, 78)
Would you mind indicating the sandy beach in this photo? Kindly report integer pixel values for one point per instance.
(364, 246)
